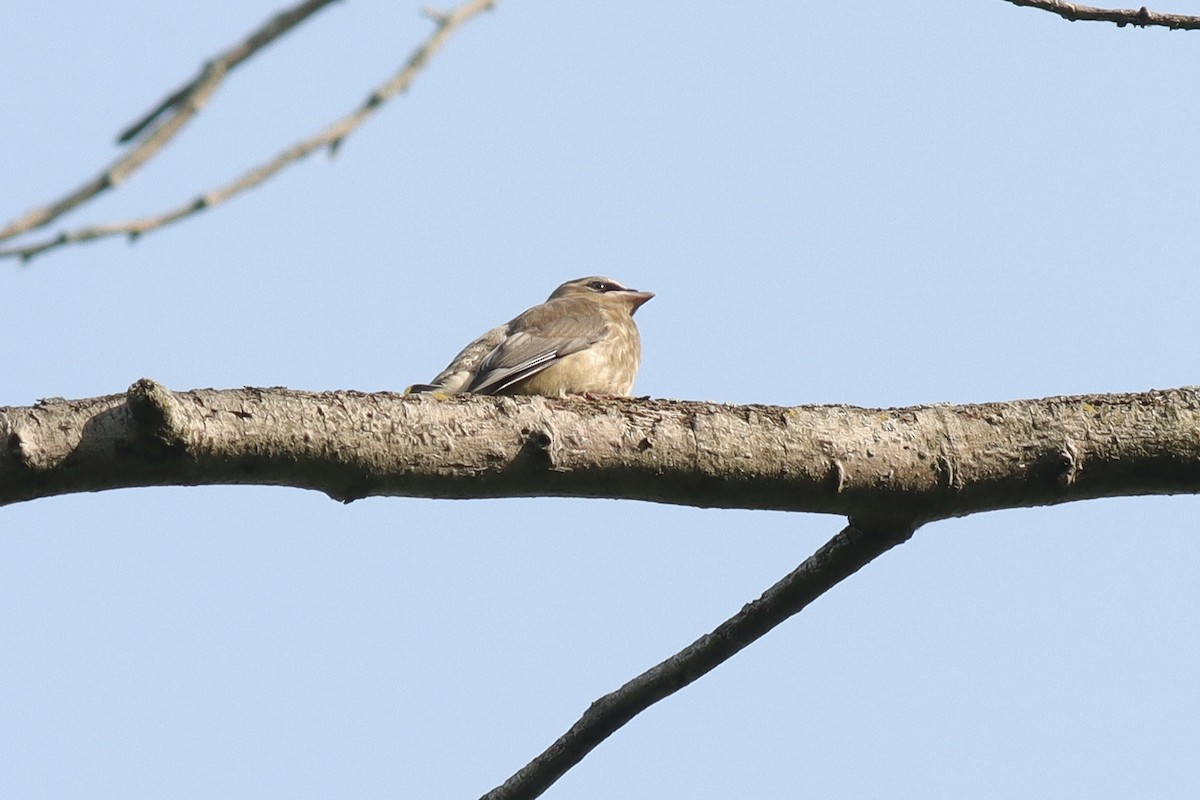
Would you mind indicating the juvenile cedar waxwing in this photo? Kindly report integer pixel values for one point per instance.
(581, 340)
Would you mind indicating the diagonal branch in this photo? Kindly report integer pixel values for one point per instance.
(839, 558)
(1140, 17)
(331, 137)
(169, 117)
(275, 27)
(889, 470)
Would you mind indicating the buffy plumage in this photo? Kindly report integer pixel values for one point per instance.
(581, 340)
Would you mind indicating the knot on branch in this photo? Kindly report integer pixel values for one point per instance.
(156, 412)
(16, 445)
(25, 440)
(1071, 464)
(536, 449)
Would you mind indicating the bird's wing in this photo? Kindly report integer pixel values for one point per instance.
(455, 377)
(537, 339)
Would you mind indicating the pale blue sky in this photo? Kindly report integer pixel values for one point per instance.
(893, 204)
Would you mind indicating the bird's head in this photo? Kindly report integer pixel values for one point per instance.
(604, 290)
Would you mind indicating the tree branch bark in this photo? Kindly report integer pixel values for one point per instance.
(331, 137)
(167, 119)
(1139, 17)
(839, 558)
(919, 463)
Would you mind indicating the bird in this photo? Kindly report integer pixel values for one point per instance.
(582, 340)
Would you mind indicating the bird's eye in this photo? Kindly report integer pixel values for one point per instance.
(601, 286)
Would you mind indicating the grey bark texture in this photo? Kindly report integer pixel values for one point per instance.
(909, 465)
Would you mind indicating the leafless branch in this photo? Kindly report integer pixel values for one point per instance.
(839, 558)
(331, 137)
(920, 463)
(170, 115)
(275, 27)
(889, 470)
(1141, 17)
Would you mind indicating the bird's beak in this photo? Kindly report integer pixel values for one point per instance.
(637, 298)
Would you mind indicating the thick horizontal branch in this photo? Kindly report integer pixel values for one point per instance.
(1140, 17)
(919, 463)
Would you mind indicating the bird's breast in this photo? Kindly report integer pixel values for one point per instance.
(607, 367)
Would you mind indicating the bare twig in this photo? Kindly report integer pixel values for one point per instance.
(1141, 17)
(170, 115)
(838, 559)
(330, 137)
(275, 27)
